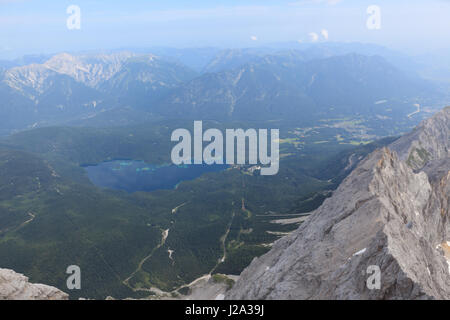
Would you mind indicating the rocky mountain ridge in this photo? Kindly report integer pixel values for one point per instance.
(91, 70)
(70, 87)
(288, 86)
(257, 84)
(389, 214)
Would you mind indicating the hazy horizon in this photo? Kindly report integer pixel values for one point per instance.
(40, 27)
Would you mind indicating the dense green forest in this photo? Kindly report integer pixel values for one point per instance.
(51, 216)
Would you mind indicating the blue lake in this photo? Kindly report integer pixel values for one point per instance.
(133, 176)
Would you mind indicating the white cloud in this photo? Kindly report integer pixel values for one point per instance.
(325, 34)
(254, 38)
(314, 36)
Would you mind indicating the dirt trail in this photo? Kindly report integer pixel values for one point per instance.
(32, 216)
(224, 246)
(174, 210)
(415, 112)
(165, 234)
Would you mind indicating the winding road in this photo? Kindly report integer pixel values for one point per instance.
(165, 234)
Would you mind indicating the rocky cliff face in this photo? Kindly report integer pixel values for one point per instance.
(429, 142)
(15, 286)
(390, 214)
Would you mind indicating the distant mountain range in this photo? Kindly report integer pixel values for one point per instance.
(68, 87)
(288, 85)
(241, 84)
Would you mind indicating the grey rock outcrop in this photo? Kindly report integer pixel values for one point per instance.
(390, 214)
(430, 141)
(15, 286)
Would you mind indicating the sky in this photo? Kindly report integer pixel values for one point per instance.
(40, 26)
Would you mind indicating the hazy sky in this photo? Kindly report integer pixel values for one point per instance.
(39, 26)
